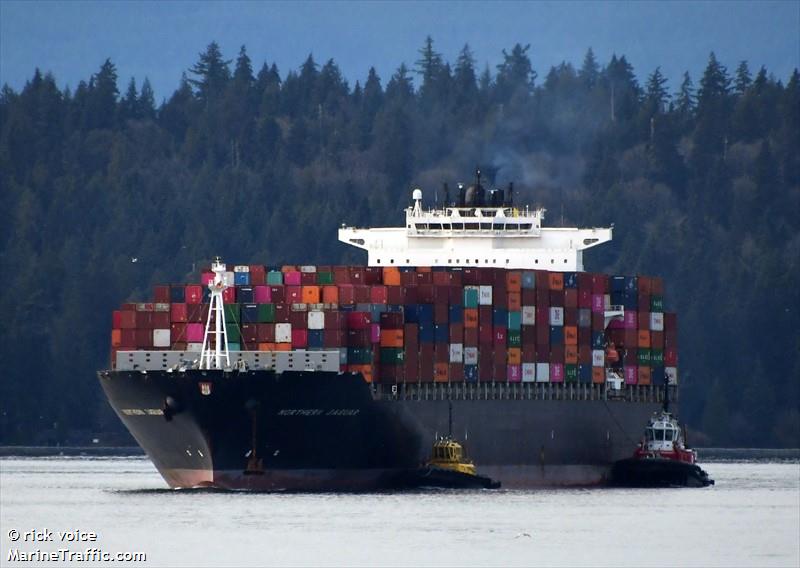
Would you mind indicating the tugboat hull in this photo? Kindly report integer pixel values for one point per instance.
(658, 472)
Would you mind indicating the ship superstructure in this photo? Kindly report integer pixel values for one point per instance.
(479, 229)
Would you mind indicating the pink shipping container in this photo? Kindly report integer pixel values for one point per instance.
(375, 333)
(631, 320)
(514, 373)
(598, 303)
(206, 277)
(631, 374)
(556, 372)
(294, 294)
(262, 295)
(299, 337)
(194, 332)
(293, 278)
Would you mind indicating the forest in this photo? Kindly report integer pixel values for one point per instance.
(107, 192)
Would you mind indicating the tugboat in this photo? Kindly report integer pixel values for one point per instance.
(662, 458)
(449, 467)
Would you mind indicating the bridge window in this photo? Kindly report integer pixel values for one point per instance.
(458, 226)
(565, 261)
(435, 226)
(525, 226)
(536, 261)
(471, 226)
(422, 226)
(486, 226)
(392, 261)
(552, 260)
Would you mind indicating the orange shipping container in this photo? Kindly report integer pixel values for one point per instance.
(283, 347)
(643, 338)
(441, 372)
(598, 375)
(570, 335)
(644, 375)
(288, 268)
(571, 354)
(391, 337)
(391, 276)
(266, 347)
(515, 301)
(330, 294)
(116, 338)
(556, 281)
(310, 295)
(365, 370)
(514, 356)
(424, 269)
(471, 318)
(513, 281)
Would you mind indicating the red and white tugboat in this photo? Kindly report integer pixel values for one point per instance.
(662, 458)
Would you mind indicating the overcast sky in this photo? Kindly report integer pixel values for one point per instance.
(160, 40)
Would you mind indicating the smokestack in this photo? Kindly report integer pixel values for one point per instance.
(510, 195)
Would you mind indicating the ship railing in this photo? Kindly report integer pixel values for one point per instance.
(493, 390)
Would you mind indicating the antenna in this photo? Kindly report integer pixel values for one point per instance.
(216, 314)
(666, 393)
(450, 418)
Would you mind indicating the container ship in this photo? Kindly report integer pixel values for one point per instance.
(473, 317)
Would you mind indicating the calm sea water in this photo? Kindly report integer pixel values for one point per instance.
(750, 518)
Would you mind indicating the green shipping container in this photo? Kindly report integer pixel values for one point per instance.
(359, 356)
(656, 358)
(266, 313)
(571, 373)
(656, 304)
(514, 338)
(470, 298)
(234, 346)
(644, 357)
(274, 278)
(324, 278)
(392, 356)
(232, 313)
(515, 321)
(234, 336)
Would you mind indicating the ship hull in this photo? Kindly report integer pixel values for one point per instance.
(326, 431)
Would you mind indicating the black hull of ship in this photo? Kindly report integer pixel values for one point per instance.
(325, 431)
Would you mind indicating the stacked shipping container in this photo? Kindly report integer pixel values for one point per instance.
(397, 325)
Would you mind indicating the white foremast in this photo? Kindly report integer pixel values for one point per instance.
(483, 236)
(214, 352)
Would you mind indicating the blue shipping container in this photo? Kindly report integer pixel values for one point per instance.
(529, 279)
(499, 317)
(456, 314)
(245, 294)
(441, 333)
(556, 335)
(617, 284)
(241, 278)
(570, 280)
(315, 338)
(471, 373)
(598, 340)
(426, 333)
(249, 313)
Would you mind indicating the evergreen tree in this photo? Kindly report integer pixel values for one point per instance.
(147, 101)
(515, 75)
(102, 97)
(129, 105)
(213, 75)
(743, 78)
(590, 70)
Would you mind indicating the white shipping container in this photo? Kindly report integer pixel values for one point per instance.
(470, 355)
(299, 307)
(528, 372)
(343, 355)
(316, 320)
(194, 347)
(656, 321)
(283, 333)
(528, 315)
(598, 358)
(485, 296)
(456, 352)
(228, 278)
(607, 301)
(161, 307)
(542, 372)
(672, 374)
(556, 316)
(161, 338)
(308, 268)
(241, 268)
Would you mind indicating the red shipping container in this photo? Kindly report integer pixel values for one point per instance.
(308, 278)
(557, 353)
(116, 319)
(410, 293)
(471, 338)
(144, 338)
(143, 320)
(599, 284)
(282, 312)
(440, 314)
(359, 338)
(391, 320)
(423, 277)
(585, 282)
(159, 320)
(514, 301)
(598, 321)
(485, 315)
(358, 320)
(657, 339)
(485, 368)
(206, 277)
(361, 294)
(347, 294)
(375, 332)
(258, 275)
(656, 286)
(426, 293)
(557, 298)
(441, 353)
(161, 294)
(542, 298)
(486, 277)
(265, 333)
(426, 362)
(378, 294)
(292, 278)
(528, 353)
(395, 295)
(408, 279)
(571, 298)
(456, 372)
(194, 294)
(411, 334)
(543, 352)
(277, 294)
(127, 339)
(294, 294)
(441, 295)
(333, 338)
(499, 337)
(528, 335)
(571, 316)
(441, 278)
(670, 340)
(194, 332)
(178, 312)
(643, 284)
(485, 334)
(127, 320)
(631, 356)
(299, 338)
(542, 335)
(249, 334)
(299, 320)
(585, 355)
(542, 280)
(196, 313)
(262, 295)
(469, 277)
(670, 322)
(584, 298)
(177, 332)
(670, 357)
(229, 295)
(456, 333)
(373, 275)
(542, 318)
(528, 297)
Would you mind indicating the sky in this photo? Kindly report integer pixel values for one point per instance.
(161, 40)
